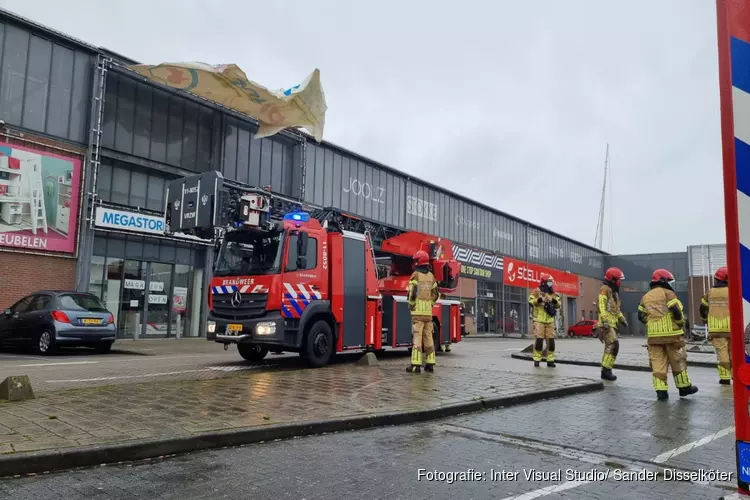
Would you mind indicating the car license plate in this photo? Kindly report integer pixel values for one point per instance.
(91, 321)
(234, 328)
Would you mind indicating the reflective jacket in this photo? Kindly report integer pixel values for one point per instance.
(423, 293)
(609, 307)
(658, 308)
(715, 311)
(538, 312)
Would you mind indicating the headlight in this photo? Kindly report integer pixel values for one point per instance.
(211, 327)
(267, 328)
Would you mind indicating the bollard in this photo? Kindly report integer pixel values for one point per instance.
(369, 359)
(16, 388)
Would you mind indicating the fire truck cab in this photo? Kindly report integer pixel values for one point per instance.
(285, 281)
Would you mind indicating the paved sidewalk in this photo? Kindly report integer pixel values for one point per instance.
(155, 347)
(252, 406)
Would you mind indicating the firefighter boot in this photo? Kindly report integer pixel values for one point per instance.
(661, 388)
(725, 376)
(687, 391)
(608, 362)
(682, 381)
(536, 353)
(416, 361)
(430, 362)
(551, 353)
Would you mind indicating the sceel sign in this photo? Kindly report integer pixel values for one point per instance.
(523, 274)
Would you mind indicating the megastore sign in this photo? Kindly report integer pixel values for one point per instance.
(129, 221)
(135, 222)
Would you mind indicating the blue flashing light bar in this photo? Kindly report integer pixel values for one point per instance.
(297, 216)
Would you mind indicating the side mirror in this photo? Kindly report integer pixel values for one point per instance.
(8, 312)
(302, 243)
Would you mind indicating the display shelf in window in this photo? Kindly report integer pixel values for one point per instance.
(11, 184)
(64, 199)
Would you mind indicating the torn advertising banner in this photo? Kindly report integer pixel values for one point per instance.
(303, 105)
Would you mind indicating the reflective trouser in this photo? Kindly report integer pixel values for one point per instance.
(542, 331)
(664, 352)
(421, 338)
(608, 335)
(724, 357)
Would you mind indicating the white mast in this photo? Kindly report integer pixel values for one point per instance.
(599, 238)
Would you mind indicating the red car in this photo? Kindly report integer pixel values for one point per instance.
(585, 328)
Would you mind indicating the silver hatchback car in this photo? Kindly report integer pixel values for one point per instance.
(50, 319)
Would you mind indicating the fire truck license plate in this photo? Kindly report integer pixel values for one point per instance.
(234, 328)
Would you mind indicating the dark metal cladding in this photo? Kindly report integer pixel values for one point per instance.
(191, 203)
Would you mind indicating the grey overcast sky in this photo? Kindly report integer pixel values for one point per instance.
(509, 102)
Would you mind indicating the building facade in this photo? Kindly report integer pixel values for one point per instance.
(638, 269)
(93, 145)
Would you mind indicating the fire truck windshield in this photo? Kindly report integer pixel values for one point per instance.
(247, 254)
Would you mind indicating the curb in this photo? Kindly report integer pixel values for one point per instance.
(127, 352)
(633, 368)
(70, 458)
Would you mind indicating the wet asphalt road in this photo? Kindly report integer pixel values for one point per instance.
(620, 429)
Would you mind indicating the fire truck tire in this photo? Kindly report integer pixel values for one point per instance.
(318, 347)
(252, 352)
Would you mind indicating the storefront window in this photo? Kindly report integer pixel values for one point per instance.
(182, 303)
(112, 286)
(514, 318)
(515, 309)
(151, 299)
(489, 307)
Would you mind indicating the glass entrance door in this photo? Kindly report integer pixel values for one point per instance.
(133, 299)
(158, 304)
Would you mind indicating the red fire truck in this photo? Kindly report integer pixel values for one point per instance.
(293, 277)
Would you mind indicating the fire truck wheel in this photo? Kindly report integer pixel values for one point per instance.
(318, 347)
(252, 352)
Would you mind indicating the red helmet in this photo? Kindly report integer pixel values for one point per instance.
(614, 275)
(722, 274)
(421, 258)
(662, 276)
(546, 278)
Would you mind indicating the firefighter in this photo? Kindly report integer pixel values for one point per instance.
(714, 311)
(610, 319)
(662, 313)
(423, 293)
(544, 303)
